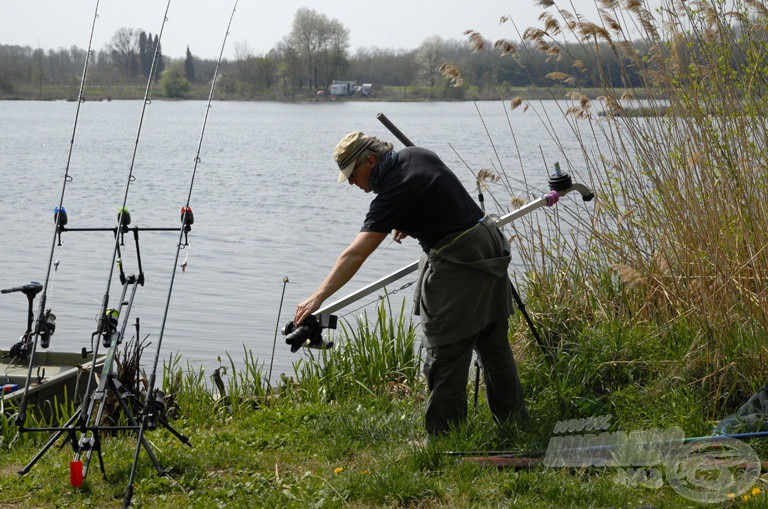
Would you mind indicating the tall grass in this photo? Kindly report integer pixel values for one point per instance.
(382, 358)
(373, 359)
(677, 234)
(228, 392)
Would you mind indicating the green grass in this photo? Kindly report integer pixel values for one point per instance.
(328, 439)
(313, 455)
(651, 305)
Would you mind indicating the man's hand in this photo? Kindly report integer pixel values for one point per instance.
(398, 236)
(345, 267)
(306, 308)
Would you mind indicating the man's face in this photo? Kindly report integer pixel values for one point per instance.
(361, 175)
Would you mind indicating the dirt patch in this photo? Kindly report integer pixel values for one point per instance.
(9, 470)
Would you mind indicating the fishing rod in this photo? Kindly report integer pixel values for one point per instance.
(309, 333)
(109, 331)
(274, 342)
(42, 330)
(123, 216)
(547, 200)
(148, 417)
(541, 453)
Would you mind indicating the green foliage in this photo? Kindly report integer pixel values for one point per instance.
(6, 86)
(365, 448)
(378, 359)
(310, 57)
(174, 84)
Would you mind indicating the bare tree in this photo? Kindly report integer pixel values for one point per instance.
(430, 56)
(384, 66)
(322, 44)
(337, 49)
(124, 49)
(289, 66)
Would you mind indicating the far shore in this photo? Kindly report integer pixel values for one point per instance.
(382, 94)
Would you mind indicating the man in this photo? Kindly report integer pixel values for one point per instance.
(463, 295)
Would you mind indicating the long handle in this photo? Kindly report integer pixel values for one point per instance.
(545, 201)
(394, 130)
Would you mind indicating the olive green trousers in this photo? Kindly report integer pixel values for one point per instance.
(447, 370)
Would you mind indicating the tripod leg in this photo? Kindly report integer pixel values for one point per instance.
(184, 439)
(477, 380)
(521, 307)
(132, 421)
(94, 443)
(50, 443)
(101, 461)
(129, 488)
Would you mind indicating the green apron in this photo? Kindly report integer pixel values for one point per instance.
(463, 284)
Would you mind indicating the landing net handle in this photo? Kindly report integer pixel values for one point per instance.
(560, 185)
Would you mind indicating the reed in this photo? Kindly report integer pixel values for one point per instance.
(187, 389)
(379, 358)
(677, 234)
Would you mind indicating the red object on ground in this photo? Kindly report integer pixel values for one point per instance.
(76, 473)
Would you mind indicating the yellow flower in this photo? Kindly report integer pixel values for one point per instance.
(731, 495)
(338, 470)
(746, 497)
(755, 491)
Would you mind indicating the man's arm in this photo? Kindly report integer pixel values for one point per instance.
(346, 266)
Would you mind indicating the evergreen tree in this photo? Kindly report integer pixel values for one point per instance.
(189, 67)
(145, 53)
(160, 66)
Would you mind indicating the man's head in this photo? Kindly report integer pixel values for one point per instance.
(357, 156)
(349, 150)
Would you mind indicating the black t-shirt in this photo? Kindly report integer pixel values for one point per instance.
(421, 197)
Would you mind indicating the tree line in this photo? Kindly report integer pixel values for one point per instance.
(310, 58)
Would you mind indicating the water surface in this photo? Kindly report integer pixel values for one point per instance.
(265, 201)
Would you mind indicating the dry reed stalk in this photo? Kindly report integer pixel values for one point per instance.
(681, 209)
(670, 141)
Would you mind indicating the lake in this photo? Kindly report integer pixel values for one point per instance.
(265, 199)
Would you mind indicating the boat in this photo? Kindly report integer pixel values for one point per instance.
(57, 377)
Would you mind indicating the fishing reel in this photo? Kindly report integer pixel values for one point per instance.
(110, 326)
(23, 348)
(20, 350)
(47, 329)
(310, 333)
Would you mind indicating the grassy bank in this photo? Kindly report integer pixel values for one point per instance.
(651, 302)
(347, 432)
(411, 93)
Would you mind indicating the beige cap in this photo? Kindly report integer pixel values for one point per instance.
(348, 150)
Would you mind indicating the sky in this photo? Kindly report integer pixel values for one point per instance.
(258, 25)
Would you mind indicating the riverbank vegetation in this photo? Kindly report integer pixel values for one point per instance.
(348, 431)
(651, 302)
(307, 61)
